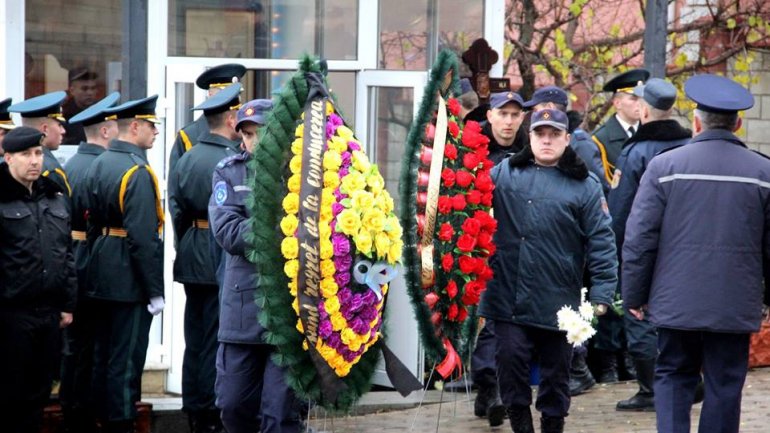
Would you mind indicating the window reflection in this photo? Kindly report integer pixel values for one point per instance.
(264, 29)
(391, 114)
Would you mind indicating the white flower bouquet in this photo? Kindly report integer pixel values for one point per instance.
(577, 324)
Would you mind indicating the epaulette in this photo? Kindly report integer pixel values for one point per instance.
(230, 160)
(592, 175)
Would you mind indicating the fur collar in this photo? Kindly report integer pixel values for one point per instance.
(660, 130)
(12, 190)
(569, 164)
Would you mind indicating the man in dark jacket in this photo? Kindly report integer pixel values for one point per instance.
(77, 357)
(657, 133)
(81, 95)
(37, 280)
(696, 251)
(249, 383)
(125, 268)
(189, 187)
(552, 219)
(503, 127)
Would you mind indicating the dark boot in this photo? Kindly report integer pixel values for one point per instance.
(521, 419)
(644, 400)
(580, 377)
(628, 370)
(551, 424)
(496, 411)
(486, 396)
(608, 366)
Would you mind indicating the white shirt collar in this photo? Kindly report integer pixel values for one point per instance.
(625, 125)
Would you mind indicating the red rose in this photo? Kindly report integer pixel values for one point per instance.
(462, 315)
(453, 128)
(473, 197)
(487, 164)
(486, 273)
(447, 261)
(430, 131)
(473, 140)
(446, 232)
(487, 221)
(444, 204)
(484, 239)
(472, 126)
(454, 106)
(448, 176)
(467, 264)
(472, 293)
(483, 182)
(450, 151)
(471, 226)
(451, 313)
(466, 243)
(431, 299)
(486, 199)
(451, 289)
(471, 161)
(458, 202)
(482, 152)
(435, 318)
(464, 178)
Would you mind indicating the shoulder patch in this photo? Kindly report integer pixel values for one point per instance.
(220, 193)
(228, 160)
(616, 178)
(605, 207)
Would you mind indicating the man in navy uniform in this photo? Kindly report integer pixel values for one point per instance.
(696, 259)
(212, 80)
(77, 359)
(249, 383)
(125, 268)
(6, 124)
(37, 281)
(44, 113)
(189, 187)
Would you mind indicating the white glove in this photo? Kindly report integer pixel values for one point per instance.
(156, 305)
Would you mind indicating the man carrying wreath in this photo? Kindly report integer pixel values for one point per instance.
(552, 219)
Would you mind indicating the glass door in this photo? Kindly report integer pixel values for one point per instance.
(386, 105)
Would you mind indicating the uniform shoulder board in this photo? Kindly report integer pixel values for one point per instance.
(760, 154)
(229, 160)
(593, 177)
(669, 149)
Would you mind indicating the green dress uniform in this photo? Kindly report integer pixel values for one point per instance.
(611, 135)
(186, 139)
(125, 268)
(53, 170)
(189, 191)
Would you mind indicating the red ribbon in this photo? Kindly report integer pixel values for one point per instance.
(451, 362)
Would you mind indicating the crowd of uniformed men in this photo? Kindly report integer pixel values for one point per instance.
(686, 233)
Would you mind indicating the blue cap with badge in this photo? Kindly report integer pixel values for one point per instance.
(657, 92)
(220, 76)
(717, 94)
(48, 105)
(253, 111)
(549, 117)
(227, 99)
(545, 94)
(499, 99)
(96, 113)
(143, 109)
(5, 117)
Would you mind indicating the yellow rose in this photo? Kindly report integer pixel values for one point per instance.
(289, 225)
(332, 160)
(291, 268)
(331, 180)
(394, 229)
(293, 287)
(385, 202)
(327, 250)
(327, 352)
(347, 335)
(291, 203)
(328, 287)
(329, 108)
(295, 164)
(343, 370)
(376, 183)
(332, 306)
(294, 183)
(338, 144)
(296, 146)
(327, 268)
(290, 247)
(362, 200)
(325, 231)
(373, 220)
(394, 253)
(327, 197)
(300, 131)
(382, 244)
(360, 161)
(354, 181)
(346, 134)
(326, 214)
(348, 222)
(363, 242)
(299, 327)
(338, 322)
(355, 345)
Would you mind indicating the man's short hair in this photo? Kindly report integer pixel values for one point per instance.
(216, 120)
(469, 100)
(711, 120)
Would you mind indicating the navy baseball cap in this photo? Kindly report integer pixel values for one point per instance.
(499, 99)
(5, 117)
(22, 138)
(658, 93)
(225, 100)
(139, 109)
(549, 117)
(718, 94)
(548, 94)
(254, 111)
(48, 105)
(625, 82)
(221, 76)
(96, 113)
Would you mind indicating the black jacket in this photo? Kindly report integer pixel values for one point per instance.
(37, 268)
(497, 152)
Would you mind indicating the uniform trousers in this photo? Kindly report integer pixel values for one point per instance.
(516, 346)
(29, 339)
(723, 357)
(641, 337)
(120, 349)
(78, 362)
(250, 384)
(483, 368)
(201, 324)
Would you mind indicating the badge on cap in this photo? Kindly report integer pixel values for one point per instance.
(546, 115)
(220, 193)
(509, 95)
(249, 111)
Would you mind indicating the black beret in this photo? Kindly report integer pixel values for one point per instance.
(22, 138)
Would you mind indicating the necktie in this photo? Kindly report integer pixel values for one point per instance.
(631, 131)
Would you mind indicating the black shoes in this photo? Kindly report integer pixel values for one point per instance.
(496, 413)
(644, 400)
(580, 377)
(488, 405)
(552, 424)
(521, 419)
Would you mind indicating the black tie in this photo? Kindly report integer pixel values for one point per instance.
(631, 130)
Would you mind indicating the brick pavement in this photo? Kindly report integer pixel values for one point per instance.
(590, 413)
